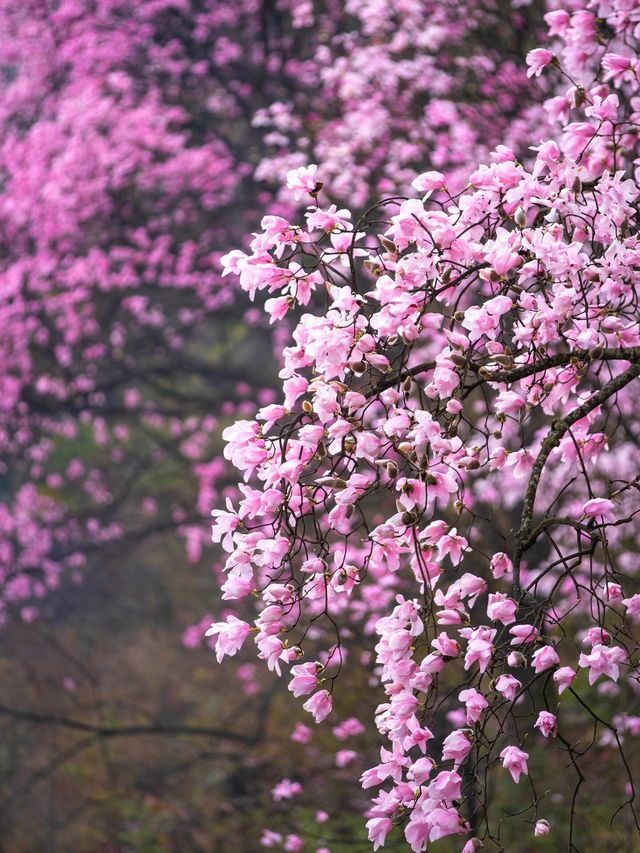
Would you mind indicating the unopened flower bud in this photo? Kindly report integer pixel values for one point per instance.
(392, 469)
(349, 444)
(520, 217)
(307, 407)
(516, 659)
(543, 827)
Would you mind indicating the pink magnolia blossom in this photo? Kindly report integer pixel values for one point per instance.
(599, 508)
(508, 686)
(285, 790)
(544, 658)
(319, 705)
(546, 722)
(542, 828)
(230, 635)
(475, 704)
(537, 60)
(515, 761)
(456, 746)
(501, 608)
(302, 180)
(603, 660)
(564, 677)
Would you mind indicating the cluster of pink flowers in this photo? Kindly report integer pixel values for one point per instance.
(459, 402)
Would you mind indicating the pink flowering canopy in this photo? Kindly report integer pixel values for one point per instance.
(138, 141)
(452, 469)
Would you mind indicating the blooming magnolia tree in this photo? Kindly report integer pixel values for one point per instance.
(453, 469)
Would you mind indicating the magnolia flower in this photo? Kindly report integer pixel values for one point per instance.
(285, 790)
(537, 60)
(446, 786)
(304, 678)
(475, 704)
(293, 844)
(546, 722)
(508, 686)
(230, 636)
(523, 634)
(428, 181)
(633, 606)
(302, 180)
(378, 828)
(544, 658)
(563, 677)
(542, 828)
(501, 608)
(456, 746)
(319, 705)
(479, 648)
(500, 565)
(599, 508)
(344, 757)
(603, 660)
(515, 761)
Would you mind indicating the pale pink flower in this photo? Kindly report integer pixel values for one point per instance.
(523, 634)
(301, 733)
(633, 606)
(304, 678)
(508, 686)
(344, 757)
(302, 180)
(475, 704)
(378, 828)
(285, 790)
(501, 608)
(542, 828)
(599, 508)
(293, 844)
(319, 705)
(546, 722)
(563, 677)
(428, 181)
(456, 746)
(230, 635)
(515, 761)
(544, 658)
(420, 770)
(479, 648)
(537, 60)
(445, 786)
(603, 660)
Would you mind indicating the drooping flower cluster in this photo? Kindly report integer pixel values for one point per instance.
(454, 464)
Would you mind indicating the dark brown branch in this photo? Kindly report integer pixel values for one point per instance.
(558, 430)
(124, 731)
